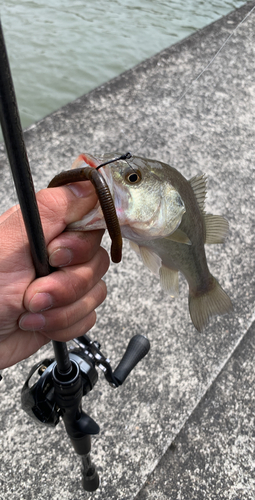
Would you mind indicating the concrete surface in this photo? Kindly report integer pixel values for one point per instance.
(171, 398)
(213, 455)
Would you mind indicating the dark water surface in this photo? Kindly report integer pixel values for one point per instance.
(60, 50)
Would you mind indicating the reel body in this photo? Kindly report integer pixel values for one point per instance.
(58, 395)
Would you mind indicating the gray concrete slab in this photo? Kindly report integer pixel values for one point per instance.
(210, 129)
(213, 456)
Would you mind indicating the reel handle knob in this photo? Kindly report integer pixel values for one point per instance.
(137, 348)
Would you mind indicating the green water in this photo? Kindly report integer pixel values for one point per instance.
(60, 50)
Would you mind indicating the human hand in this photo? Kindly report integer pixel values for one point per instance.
(60, 306)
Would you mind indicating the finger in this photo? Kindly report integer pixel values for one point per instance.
(9, 212)
(66, 285)
(60, 206)
(21, 345)
(77, 330)
(74, 248)
(64, 318)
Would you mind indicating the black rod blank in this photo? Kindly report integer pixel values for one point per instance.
(16, 151)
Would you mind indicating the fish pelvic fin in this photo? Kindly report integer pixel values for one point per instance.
(202, 306)
(216, 228)
(151, 260)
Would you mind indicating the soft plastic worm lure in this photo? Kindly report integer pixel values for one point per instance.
(105, 199)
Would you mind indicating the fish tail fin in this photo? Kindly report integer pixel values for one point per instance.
(203, 306)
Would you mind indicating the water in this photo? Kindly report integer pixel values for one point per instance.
(60, 50)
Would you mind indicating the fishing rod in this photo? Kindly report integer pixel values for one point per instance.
(71, 374)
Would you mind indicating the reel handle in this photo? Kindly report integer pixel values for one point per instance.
(137, 348)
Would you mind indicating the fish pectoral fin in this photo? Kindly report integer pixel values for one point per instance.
(216, 228)
(150, 259)
(198, 184)
(179, 236)
(169, 280)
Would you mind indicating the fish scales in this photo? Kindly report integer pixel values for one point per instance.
(162, 214)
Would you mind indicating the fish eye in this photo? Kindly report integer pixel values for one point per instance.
(133, 177)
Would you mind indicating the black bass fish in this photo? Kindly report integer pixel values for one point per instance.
(162, 214)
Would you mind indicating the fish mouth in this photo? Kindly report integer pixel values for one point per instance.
(119, 194)
(106, 174)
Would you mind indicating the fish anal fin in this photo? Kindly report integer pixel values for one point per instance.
(179, 237)
(198, 184)
(211, 303)
(216, 228)
(169, 280)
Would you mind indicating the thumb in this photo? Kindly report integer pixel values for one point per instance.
(60, 206)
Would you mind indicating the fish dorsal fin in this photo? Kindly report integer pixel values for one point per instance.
(179, 236)
(150, 259)
(198, 184)
(216, 228)
(169, 281)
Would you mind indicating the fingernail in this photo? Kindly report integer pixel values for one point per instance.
(61, 257)
(41, 301)
(32, 322)
(81, 190)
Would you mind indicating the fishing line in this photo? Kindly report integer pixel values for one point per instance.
(177, 101)
(214, 57)
(125, 157)
(122, 157)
